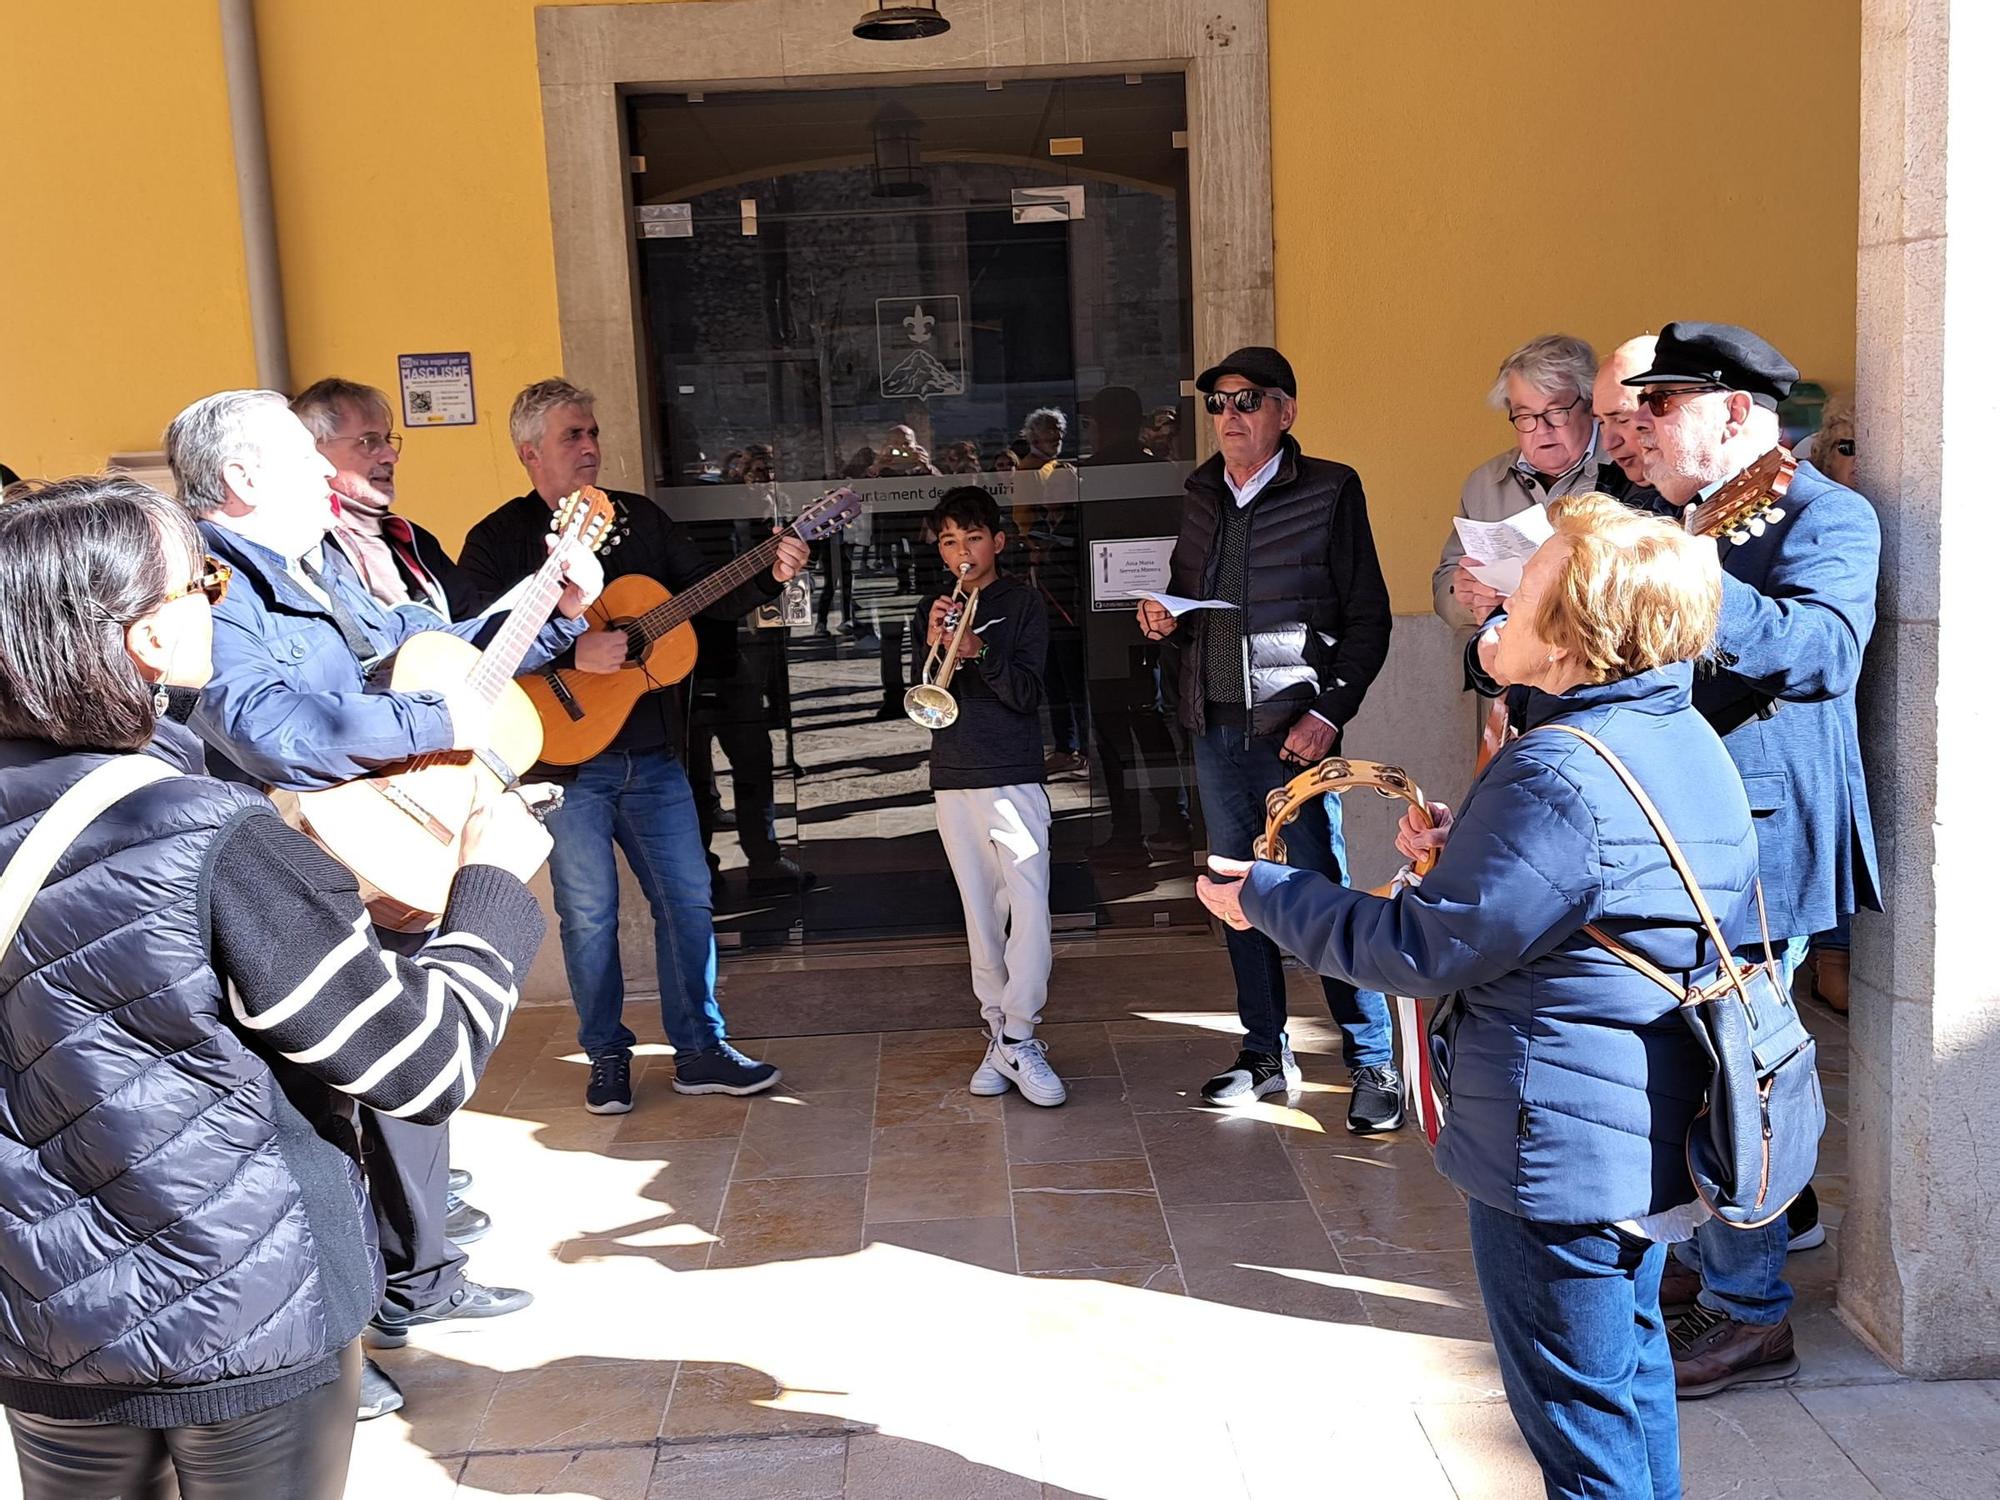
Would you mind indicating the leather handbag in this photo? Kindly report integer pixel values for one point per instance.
(1755, 1144)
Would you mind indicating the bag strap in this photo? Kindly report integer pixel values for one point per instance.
(75, 810)
(1645, 966)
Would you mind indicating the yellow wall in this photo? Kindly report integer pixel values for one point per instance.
(1451, 177)
(121, 255)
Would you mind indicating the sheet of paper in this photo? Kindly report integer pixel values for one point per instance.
(1502, 548)
(1176, 606)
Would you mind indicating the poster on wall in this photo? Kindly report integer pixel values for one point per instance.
(437, 390)
(920, 346)
(1121, 570)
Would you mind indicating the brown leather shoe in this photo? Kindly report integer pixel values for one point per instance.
(1679, 1287)
(1713, 1352)
(1829, 979)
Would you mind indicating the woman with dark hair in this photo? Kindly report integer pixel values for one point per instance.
(191, 1009)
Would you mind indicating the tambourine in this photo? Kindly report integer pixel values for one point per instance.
(1337, 775)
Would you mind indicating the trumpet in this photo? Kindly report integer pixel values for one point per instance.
(930, 702)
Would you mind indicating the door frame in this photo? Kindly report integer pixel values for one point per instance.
(591, 56)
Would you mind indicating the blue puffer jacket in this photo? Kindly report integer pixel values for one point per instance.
(1570, 1078)
(183, 1236)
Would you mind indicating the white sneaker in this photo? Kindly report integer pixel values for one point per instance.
(1026, 1066)
(987, 1078)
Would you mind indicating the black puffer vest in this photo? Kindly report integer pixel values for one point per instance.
(182, 1235)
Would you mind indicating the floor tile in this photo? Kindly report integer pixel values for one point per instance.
(894, 1468)
(1093, 1124)
(717, 1400)
(1166, 1076)
(1141, 1278)
(808, 1135)
(938, 1171)
(1767, 1434)
(1211, 1158)
(789, 1218)
(1192, 1459)
(973, 1242)
(1282, 1460)
(601, 1473)
(820, 1064)
(1915, 1441)
(1482, 1452)
(929, 1087)
(445, 1397)
(1433, 1292)
(659, 1114)
(1271, 1257)
(1079, 1049)
(783, 1468)
(1086, 1215)
(575, 1404)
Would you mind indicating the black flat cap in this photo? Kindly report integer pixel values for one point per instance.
(1257, 364)
(1720, 354)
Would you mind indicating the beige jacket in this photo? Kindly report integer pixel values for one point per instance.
(1492, 492)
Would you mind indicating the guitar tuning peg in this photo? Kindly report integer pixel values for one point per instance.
(1757, 526)
(1774, 515)
(1739, 537)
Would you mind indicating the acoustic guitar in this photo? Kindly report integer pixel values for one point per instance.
(582, 712)
(1741, 509)
(399, 830)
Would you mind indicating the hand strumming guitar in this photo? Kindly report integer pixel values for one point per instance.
(603, 651)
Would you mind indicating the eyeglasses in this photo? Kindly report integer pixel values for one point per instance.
(1555, 416)
(213, 581)
(1245, 401)
(1660, 397)
(375, 442)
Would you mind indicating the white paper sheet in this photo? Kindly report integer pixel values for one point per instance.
(1176, 606)
(1500, 549)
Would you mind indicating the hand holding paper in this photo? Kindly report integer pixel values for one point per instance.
(1176, 606)
(1502, 548)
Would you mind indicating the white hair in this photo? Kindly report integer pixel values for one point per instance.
(1553, 365)
(528, 420)
(205, 437)
(1046, 416)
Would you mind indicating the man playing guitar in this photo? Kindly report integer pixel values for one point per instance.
(636, 792)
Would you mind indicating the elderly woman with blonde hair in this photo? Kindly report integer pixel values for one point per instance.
(1568, 1079)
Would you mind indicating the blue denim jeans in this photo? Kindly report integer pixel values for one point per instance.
(1575, 1315)
(640, 800)
(1743, 1270)
(1233, 779)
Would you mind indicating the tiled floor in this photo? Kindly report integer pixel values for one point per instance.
(875, 1286)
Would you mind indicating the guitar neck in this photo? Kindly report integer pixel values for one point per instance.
(732, 575)
(502, 659)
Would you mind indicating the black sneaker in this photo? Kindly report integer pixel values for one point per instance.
(720, 1070)
(1802, 1219)
(609, 1091)
(458, 1180)
(1251, 1077)
(379, 1394)
(390, 1327)
(462, 1222)
(1377, 1104)
(781, 874)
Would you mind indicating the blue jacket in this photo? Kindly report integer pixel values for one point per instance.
(1570, 1078)
(289, 705)
(1798, 606)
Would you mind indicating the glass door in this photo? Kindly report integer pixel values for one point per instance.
(905, 290)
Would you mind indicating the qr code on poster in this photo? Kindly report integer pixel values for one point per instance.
(420, 402)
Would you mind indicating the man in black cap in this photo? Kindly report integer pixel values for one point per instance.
(1798, 605)
(1266, 684)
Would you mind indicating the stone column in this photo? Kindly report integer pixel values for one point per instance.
(1920, 1247)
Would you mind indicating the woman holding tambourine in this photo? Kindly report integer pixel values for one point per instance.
(1568, 1080)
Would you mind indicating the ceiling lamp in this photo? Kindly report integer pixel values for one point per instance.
(898, 171)
(902, 23)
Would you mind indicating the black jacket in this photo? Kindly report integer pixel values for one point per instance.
(997, 737)
(1318, 617)
(508, 545)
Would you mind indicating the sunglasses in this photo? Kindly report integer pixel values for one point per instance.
(1660, 398)
(1245, 401)
(213, 582)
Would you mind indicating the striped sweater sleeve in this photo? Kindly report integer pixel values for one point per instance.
(309, 982)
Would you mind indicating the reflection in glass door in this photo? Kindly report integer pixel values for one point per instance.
(905, 290)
